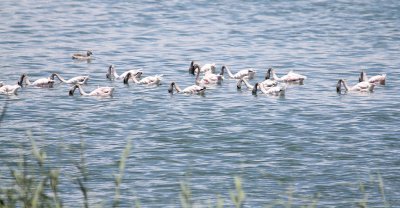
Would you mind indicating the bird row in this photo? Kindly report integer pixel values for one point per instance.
(271, 85)
(268, 86)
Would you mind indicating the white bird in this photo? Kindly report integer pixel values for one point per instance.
(150, 80)
(289, 77)
(381, 79)
(265, 88)
(9, 89)
(42, 82)
(248, 73)
(276, 90)
(74, 80)
(101, 91)
(203, 69)
(209, 77)
(208, 68)
(248, 85)
(267, 83)
(83, 56)
(360, 87)
(112, 73)
(193, 89)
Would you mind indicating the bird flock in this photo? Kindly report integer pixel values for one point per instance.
(205, 75)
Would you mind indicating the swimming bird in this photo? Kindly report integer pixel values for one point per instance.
(239, 84)
(101, 91)
(360, 87)
(112, 73)
(42, 82)
(150, 80)
(290, 77)
(276, 90)
(9, 89)
(381, 79)
(209, 77)
(83, 56)
(193, 89)
(74, 80)
(244, 73)
(265, 87)
(203, 69)
(267, 83)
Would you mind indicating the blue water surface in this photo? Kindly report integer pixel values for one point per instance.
(311, 143)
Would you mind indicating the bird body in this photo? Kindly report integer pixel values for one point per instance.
(290, 77)
(101, 91)
(112, 73)
(364, 86)
(193, 89)
(381, 79)
(83, 56)
(275, 90)
(42, 82)
(209, 77)
(245, 73)
(150, 80)
(9, 89)
(75, 80)
(203, 69)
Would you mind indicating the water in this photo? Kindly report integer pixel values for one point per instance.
(311, 141)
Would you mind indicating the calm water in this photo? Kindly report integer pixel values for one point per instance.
(311, 141)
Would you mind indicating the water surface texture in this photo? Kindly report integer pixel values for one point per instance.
(312, 141)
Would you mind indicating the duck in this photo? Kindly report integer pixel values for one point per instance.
(381, 79)
(193, 89)
(100, 92)
(268, 82)
(150, 80)
(276, 90)
(208, 68)
(112, 73)
(203, 69)
(244, 73)
(83, 56)
(209, 77)
(42, 82)
(364, 86)
(74, 80)
(290, 77)
(265, 86)
(9, 89)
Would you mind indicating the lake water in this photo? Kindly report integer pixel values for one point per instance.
(312, 142)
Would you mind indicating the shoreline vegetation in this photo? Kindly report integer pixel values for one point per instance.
(35, 183)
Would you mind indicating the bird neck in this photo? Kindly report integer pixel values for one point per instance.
(254, 90)
(177, 88)
(363, 77)
(59, 77)
(229, 72)
(346, 87)
(81, 90)
(248, 85)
